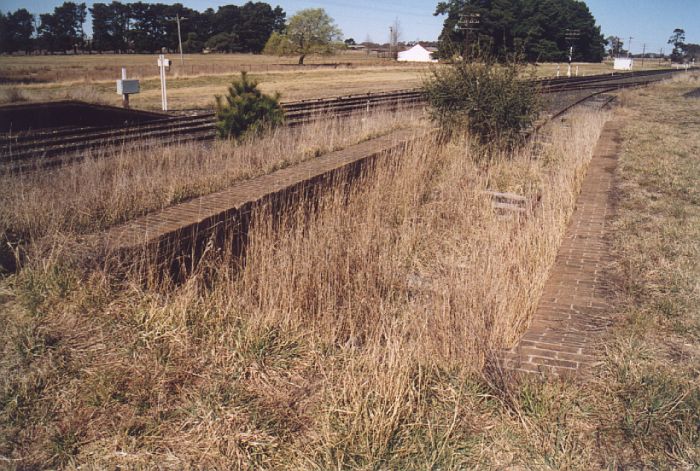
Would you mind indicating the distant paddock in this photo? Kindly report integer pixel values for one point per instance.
(194, 82)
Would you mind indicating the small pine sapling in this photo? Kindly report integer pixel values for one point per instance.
(245, 110)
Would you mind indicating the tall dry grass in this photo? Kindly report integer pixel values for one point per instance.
(104, 190)
(351, 338)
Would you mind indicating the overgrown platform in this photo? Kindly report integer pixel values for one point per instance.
(574, 309)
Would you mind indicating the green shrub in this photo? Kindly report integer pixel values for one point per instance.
(489, 99)
(246, 110)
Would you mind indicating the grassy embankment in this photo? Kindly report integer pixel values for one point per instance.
(357, 337)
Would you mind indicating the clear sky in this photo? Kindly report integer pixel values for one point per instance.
(649, 22)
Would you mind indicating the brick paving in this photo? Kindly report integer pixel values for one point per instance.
(198, 218)
(574, 310)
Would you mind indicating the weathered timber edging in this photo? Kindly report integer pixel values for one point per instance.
(179, 231)
(575, 311)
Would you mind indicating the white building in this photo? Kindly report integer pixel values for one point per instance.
(416, 54)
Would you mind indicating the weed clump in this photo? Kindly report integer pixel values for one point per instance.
(486, 98)
(246, 110)
(12, 95)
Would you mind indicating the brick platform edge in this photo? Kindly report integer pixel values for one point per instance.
(574, 310)
(178, 230)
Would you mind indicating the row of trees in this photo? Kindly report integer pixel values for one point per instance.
(543, 30)
(16, 30)
(142, 27)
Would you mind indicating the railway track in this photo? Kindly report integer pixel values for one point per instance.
(28, 151)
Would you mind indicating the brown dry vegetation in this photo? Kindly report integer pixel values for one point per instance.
(92, 77)
(331, 344)
(91, 67)
(357, 337)
(102, 191)
(197, 91)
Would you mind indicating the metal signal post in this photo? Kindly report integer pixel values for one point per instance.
(468, 22)
(571, 36)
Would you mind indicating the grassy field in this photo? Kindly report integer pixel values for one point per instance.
(92, 77)
(92, 67)
(356, 338)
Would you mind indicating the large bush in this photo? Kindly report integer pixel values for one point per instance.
(490, 100)
(246, 110)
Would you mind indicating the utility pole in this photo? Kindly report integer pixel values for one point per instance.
(644, 51)
(179, 37)
(468, 22)
(571, 36)
(661, 55)
(391, 40)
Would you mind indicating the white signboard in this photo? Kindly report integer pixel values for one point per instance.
(164, 63)
(623, 63)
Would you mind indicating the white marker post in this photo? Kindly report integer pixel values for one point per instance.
(125, 96)
(162, 64)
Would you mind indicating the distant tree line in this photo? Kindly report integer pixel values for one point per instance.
(16, 31)
(542, 30)
(141, 27)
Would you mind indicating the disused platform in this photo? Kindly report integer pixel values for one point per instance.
(575, 308)
(175, 235)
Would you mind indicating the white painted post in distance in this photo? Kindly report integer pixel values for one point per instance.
(125, 96)
(179, 39)
(163, 89)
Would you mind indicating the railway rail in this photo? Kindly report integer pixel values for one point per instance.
(34, 150)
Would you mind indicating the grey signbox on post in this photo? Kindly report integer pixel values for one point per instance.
(127, 87)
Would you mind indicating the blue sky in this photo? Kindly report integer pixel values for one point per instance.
(649, 22)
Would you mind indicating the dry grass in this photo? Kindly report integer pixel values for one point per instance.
(198, 91)
(66, 68)
(103, 191)
(353, 338)
(356, 334)
(42, 78)
(652, 374)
